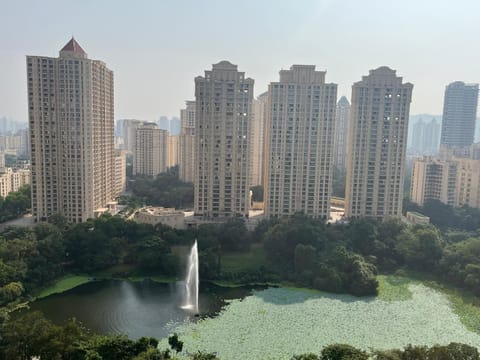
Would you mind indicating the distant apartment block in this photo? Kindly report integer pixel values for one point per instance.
(150, 155)
(459, 114)
(120, 171)
(257, 139)
(453, 181)
(223, 117)
(425, 137)
(172, 125)
(172, 150)
(186, 166)
(71, 101)
(186, 161)
(12, 180)
(377, 145)
(16, 144)
(342, 119)
(299, 127)
(128, 132)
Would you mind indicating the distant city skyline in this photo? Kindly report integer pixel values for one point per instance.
(155, 60)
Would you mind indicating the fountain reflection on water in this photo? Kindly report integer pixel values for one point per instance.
(191, 281)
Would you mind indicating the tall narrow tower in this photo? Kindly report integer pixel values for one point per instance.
(223, 116)
(459, 115)
(257, 139)
(70, 100)
(342, 119)
(299, 152)
(377, 145)
(186, 165)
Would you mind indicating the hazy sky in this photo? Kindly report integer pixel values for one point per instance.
(157, 47)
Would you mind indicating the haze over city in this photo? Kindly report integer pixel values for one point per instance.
(205, 180)
(156, 48)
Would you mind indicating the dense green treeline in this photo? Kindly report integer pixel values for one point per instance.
(300, 250)
(447, 217)
(165, 190)
(15, 204)
(31, 335)
(453, 351)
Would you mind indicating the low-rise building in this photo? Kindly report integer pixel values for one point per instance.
(160, 215)
(414, 217)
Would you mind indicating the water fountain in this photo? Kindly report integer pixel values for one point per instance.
(191, 281)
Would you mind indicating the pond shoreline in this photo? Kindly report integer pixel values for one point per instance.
(71, 281)
(391, 288)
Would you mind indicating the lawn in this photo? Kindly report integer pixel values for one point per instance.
(66, 283)
(235, 262)
(120, 272)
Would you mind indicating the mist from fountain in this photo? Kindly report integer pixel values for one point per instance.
(191, 281)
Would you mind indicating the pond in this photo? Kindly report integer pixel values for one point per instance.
(137, 309)
(277, 323)
(272, 323)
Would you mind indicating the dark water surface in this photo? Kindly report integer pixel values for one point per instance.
(133, 308)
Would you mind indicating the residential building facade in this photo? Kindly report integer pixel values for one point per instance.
(70, 100)
(342, 119)
(120, 172)
(453, 181)
(223, 116)
(13, 179)
(377, 145)
(172, 150)
(150, 155)
(186, 166)
(257, 139)
(459, 114)
(300, 129)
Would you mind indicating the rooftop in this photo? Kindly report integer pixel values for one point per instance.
(73, 48)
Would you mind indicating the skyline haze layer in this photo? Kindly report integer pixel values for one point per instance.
(157, 48)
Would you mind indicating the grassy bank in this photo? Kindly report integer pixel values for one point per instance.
(119, 272)
(235, 262)
(66, 283)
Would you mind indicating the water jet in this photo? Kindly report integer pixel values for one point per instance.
(191, 281)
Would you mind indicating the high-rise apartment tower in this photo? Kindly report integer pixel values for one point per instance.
(186, 161)
(223, 116)
(70, 100)
(459, 114)
(377, 145)
(300, 134)
(150, 155)
(341, 133)
(257, 139)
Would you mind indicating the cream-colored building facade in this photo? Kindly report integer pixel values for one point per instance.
(13, 179)
(257, 139)
(342, 119)
(299, 137)
(186, 161)
(172, 150)
(377, 145)
(71, 101)
(150, 155)
(223, 116)
(453, 181)
(120, 169)
(159, 215)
